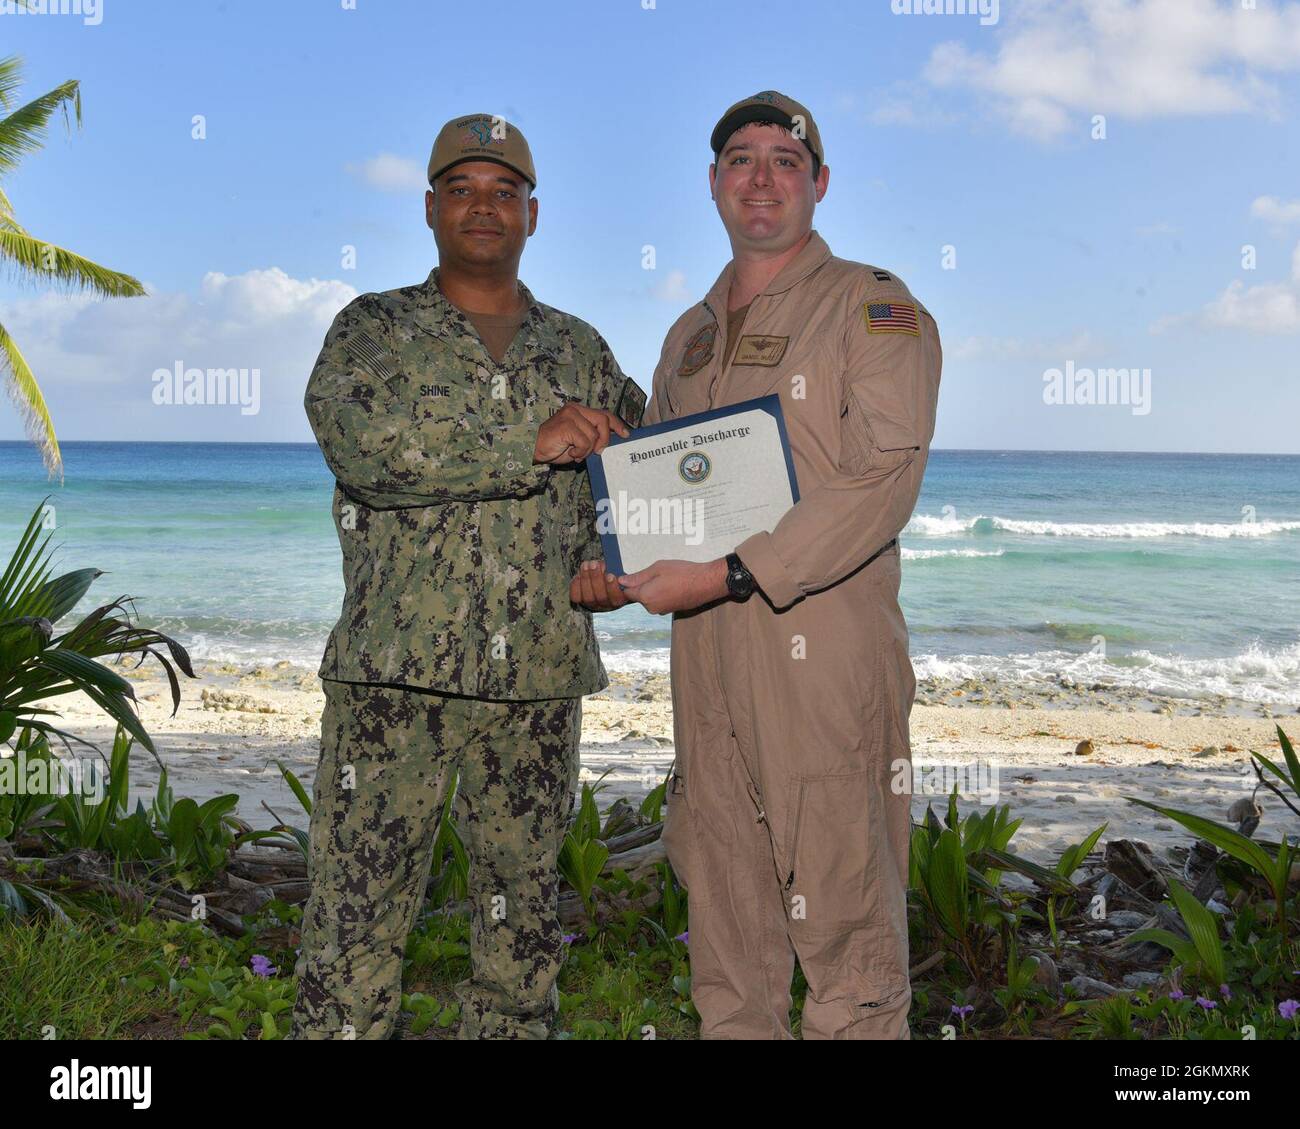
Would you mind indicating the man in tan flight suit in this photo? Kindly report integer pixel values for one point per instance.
(791, 705)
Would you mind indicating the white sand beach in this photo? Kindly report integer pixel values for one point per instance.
(234, 723)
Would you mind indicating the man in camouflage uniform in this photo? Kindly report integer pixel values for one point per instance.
(455, 415)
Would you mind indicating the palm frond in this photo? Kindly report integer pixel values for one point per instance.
(11, 78)
(7, 220)
(30, 402)
(23, 130)
(36, 665)
(27, 551)
(32, 259)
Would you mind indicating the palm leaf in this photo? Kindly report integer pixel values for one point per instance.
(55, 598)
(22, 131)
(18, 561)
(1225, 838)
(27, 396)
(29, 256)
(1203, 928)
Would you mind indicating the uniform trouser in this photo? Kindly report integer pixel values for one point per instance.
(784, 859)
(387, 758)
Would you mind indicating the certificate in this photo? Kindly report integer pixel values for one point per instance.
(693, 488)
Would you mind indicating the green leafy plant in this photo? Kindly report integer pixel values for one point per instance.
(583, 854)
(1071, 859)
(1272, 862)
(954, 871)
(1203, 954)
(37, 664)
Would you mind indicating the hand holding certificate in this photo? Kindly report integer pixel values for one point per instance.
(693, 488)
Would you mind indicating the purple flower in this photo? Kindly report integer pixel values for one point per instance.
(1288, 1008)
(1176, 994)
(1208, 1005)
(684, 937)
(262, 966)
(185, 962)
(964, 1011)
(569, 938)
(1225, 991)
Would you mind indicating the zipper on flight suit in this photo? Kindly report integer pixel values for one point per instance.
(757, 797)
(885, 999)
(754, 794)
(794, 835)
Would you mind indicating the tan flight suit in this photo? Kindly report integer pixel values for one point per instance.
(791, 708)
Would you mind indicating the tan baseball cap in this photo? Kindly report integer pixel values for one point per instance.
(770, 106)
(481, 137)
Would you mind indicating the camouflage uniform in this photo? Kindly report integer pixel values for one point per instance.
(457, 648)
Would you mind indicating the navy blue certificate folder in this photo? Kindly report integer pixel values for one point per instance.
(771, 404)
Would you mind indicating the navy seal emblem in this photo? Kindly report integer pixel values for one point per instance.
(694, 467)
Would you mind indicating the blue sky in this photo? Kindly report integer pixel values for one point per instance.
(940, 131)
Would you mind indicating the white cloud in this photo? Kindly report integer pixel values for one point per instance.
(672, 288)
(898, 111)
(1058, 62)
(94, 358)
(1271, 210)
(1266, 308)
(391, 173)
(1023, 348)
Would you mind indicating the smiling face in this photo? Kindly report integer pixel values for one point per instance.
(481, 214)
(765, 189)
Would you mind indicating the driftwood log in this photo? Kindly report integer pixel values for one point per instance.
(256, 874)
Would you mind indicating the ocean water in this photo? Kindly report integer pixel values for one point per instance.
(1176, 574)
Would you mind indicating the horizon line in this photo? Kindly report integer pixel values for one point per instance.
(933, 450)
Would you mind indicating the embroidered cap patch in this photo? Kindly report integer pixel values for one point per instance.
(891, 317)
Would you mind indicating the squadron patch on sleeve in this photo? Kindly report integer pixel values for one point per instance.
(891, 317)
(631, 403)
(698, 351)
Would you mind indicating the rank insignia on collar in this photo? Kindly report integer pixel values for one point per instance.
(760, 350)
(699, 350)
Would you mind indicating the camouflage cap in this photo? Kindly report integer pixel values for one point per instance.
(481, 137)
(771, 106)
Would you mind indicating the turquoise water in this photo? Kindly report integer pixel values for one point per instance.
(1187, 567)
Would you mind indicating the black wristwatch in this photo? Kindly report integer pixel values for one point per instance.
(740, 581)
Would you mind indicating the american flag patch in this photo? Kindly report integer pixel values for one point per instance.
(891, 317)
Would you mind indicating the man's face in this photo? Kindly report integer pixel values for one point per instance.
(764, 187)
(481, 214)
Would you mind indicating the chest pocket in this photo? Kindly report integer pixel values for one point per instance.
(548, 380)
(798, 368)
